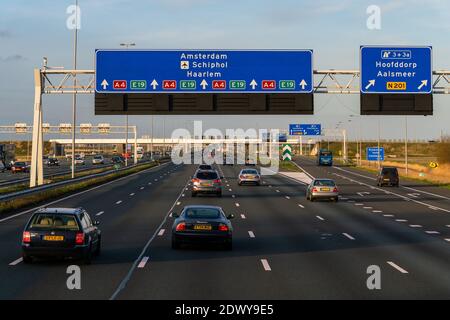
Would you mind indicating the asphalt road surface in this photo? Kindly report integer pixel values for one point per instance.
(285, 247)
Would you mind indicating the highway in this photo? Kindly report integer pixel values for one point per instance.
(284, 247)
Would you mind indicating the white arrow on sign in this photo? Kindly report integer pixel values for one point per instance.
(423, 84)
(203, 84)
(303, 84)
(154, 84)
(371, 84)
(253, 84)
(104, 84)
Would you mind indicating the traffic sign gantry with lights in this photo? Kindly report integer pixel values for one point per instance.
(204, 71)
(396, 70)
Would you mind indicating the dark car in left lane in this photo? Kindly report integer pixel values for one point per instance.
(202, 224)
(61, 233)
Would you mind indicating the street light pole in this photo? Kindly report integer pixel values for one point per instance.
(127, 45)
(74, 97)
(406, 145)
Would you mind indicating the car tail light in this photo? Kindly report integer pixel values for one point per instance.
(26, 238)
(79, 239)
(217, 181)
(242, 176)
(181, 226)
(223, 227)
(335, 189)
(314, 190)
(195, 180)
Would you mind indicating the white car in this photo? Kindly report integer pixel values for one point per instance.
(79, 161)
(98, 160)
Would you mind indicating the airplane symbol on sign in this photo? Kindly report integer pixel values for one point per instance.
(184, 65)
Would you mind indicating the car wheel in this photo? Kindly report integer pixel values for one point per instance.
(239, 183)
(87, 259)
(311, 199)
(27, 259)
(336, 199)
(193, 194)
(175, 245)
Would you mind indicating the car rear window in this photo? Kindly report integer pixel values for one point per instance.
(206, 175)
(389, 171)
(324, 183)
(205, 167)
(53, 221)
(202, 213)
(20, 164)
(249, 172)
(98, 157)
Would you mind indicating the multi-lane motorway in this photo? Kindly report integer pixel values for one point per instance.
(285, 247)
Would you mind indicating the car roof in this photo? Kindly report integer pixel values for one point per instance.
(60, 210)
(323, 179)
(201, 206)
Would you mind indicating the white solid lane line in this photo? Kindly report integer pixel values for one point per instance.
(266, 265)
(119, 202)
(100, 213)
(251, 234)
(143, 262)
(16, 262)
(320, 218)
(161, 232)
(348, 236)
(243, 216)
(395, 266)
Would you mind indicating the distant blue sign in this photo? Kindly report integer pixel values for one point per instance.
(305, 129)
(200, 71)
(396, 69)
(372, 154)
(282, 137)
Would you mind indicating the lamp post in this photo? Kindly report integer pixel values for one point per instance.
(127, 45)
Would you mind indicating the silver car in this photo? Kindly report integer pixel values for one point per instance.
(322, 189)
(250, 176)
(206, 181)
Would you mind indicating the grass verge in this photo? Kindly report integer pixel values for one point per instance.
(35, 199)
(289, 166)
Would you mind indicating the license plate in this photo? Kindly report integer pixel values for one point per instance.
(53, 238)
(206, 184)
(325, 189)
(385, 179)
(202, 227)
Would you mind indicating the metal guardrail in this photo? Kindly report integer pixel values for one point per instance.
(50, 186)
(49, 176)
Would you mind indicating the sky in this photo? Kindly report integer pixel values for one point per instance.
(31, 30)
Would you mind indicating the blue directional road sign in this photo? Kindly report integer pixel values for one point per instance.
(396, 69)
(201, 71)
(305, 129)
(372, 154)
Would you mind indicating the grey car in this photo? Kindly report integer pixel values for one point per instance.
(249, 176)
(322, 189)
(206, 182)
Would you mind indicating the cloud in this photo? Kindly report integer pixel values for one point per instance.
(13, 58)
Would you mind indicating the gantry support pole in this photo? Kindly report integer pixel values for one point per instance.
(36, 170)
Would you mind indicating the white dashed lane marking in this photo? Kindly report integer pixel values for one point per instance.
(237, 204)
(301, 206)
(143, 262)
(320, 218)
(119, 202)
(266, 265)
(243, 216)
(131, 194)
(251, 234)
(395, 266)
(16, 262)
(348, 236)
(415, 226)
(432, 232)
(100, 213)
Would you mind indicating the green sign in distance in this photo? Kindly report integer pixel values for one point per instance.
(138, 85)
(238, 84)
(188, 84)
(286, 84)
